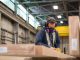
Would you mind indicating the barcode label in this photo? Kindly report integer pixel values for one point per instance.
(3, 49)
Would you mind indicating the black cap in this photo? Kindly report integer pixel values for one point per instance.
(51, 21)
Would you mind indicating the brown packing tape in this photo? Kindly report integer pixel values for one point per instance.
(38, 50)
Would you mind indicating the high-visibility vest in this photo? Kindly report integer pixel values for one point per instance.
(48, 38)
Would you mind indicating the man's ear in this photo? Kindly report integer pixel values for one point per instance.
(55, 24)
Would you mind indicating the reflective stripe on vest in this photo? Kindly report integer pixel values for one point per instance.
(48, 38)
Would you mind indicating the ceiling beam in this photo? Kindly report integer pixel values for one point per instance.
(51, 13)
(43, 15)
(44, 9)
(34, 2)
(65, 8)
(39, 18)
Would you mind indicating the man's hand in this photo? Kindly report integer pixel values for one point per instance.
(56, 49)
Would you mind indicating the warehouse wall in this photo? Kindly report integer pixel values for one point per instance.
(14, 29)
(32, 39)
(7, 30)
(7, 24)
(22, 33)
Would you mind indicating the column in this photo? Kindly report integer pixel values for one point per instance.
(16, 27)
(79, 9)
(15, 7)
(0, 27)
(29, 36)
(26, 36)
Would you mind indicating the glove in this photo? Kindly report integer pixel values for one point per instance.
(58, 49)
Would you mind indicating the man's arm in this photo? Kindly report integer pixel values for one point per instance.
(57, 45)
(39, 38)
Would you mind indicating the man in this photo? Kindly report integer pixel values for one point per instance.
(48, 36)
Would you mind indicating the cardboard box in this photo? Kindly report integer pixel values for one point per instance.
(14, 58)
(74, 35)
(30, 58)
(17, 50)
(31, 50)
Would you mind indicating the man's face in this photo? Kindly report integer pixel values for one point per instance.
(51, 25)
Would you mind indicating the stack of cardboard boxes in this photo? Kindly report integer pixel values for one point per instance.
(31, 52)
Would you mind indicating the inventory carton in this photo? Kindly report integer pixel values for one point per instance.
(74, 35)
(33, 51)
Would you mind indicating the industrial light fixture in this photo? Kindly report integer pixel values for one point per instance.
(61, 22)
(55, 7)
(59, 16)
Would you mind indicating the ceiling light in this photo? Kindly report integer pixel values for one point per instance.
(55, 7)
(59, 16)
(61, 22)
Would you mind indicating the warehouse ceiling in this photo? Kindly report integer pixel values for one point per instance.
(40, 9)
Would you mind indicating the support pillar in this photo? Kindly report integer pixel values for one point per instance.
(79, 10)
(26, 36)
(15, 7)
(29, 36)
(0, 28)
(16, 37)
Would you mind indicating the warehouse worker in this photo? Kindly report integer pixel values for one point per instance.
(48, 36)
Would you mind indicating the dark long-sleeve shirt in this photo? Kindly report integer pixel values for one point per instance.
(41, 39)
